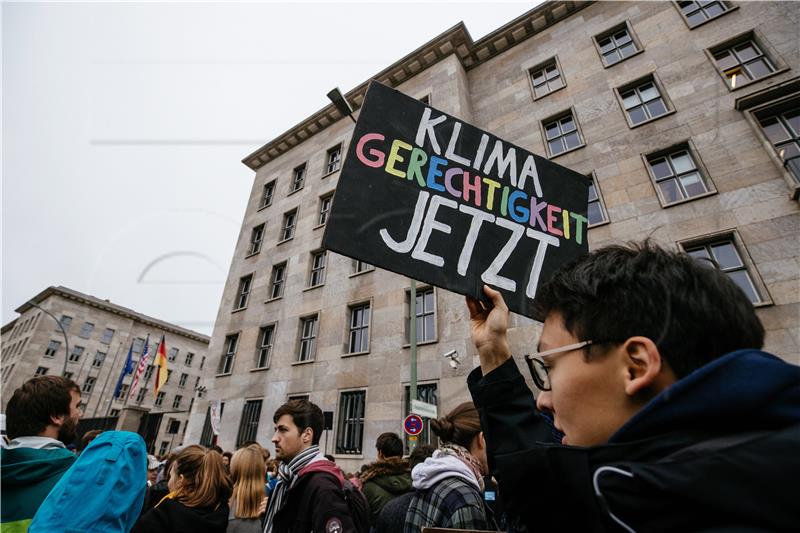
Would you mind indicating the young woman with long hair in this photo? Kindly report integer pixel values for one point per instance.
(198, 498)
(247, 473)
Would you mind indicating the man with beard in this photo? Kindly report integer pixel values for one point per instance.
(41, 417)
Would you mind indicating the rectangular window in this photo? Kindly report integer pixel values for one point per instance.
(66, 322)
(172, 354)
(699, 12)
(148, 372)
(742, 62)
(317, 276)
(256, 238)
(162, 450)
(425, 315)
(642, 101)
(140, 395)
(264, 352)
(86, 330)
(88, 385)
(325, 203)
(189, 358)
(289, 223)
(308, 337)
(108, 334)
(298, 178)
(77, 352)
(138, 345)
(676, 175)
(169, 375)
(52, 348)
(562, 135)
(359, 329)
(267, 194)
(226, 363)
(546, 78)
(207, 435)
(202, 362)
(248, 425)
(334, 159)
(182, 381)
(781, 126)
(722, 254)
(123, 392)
(99, 358)
(243, 293)
(361, 266)
(616, 45)
(41, 371)
(176, 403)
(276, 280)
(350, 429)
(428, 393)
(160, 398)
(113, 413)
(596, 211)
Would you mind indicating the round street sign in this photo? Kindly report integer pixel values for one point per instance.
(413, 425)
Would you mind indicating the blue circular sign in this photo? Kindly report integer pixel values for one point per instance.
(413, 425)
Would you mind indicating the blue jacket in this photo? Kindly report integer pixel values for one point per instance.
(103, 491)
(717, 450)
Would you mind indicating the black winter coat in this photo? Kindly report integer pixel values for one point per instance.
(172, 516)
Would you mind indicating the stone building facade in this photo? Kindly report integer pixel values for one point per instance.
(686, 117)
(100, 334)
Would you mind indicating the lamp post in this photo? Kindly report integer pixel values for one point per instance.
(63, 332)
(341, 103)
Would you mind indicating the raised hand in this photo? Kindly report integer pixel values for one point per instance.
(488, 325)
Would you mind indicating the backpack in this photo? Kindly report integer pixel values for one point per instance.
(359, 508)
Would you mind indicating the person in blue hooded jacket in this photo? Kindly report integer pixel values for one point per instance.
(656, 410)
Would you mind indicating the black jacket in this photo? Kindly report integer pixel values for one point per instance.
(171, 516)
(716, 451)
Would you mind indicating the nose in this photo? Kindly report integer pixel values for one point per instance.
(544, 401)
(275, 438)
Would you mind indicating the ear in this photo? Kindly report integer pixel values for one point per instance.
(481, 441)
(643, 365)
(307, 435)
(57, 421)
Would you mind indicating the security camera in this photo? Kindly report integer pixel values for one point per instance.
(452, 354)
(453, 363)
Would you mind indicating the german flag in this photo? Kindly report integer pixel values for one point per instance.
(161, 365)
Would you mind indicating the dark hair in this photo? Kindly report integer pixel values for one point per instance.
(420, 453)
(29, 410)
(692, 312)
(330, 458)
(205, 481)
(216, 449)
(304, 415)
(389, 445)
(459, 426)
(88, 437)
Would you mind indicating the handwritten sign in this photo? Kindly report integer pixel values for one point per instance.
(429, 196)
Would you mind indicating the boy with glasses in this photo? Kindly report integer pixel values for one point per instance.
(656, 409)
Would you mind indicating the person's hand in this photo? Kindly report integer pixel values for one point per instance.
(488, 324)
(262, 508)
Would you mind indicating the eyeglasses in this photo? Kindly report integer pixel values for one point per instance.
(539, 369)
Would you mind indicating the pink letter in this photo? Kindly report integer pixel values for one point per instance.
(377, 154)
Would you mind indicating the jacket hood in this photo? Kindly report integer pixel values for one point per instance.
(393, 466)
(441, 466)
(749, 390)
(26, 466)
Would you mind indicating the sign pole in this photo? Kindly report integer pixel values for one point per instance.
(412, 331)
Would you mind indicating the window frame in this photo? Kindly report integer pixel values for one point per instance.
(625, 24)
(543, 65)
(315, 270)
(41, 371)
(255, 245)
(244, 289)
(432, 439)
(271, 186)
(361, 328)
(47, 351)
(298, 185)
(110, 337)
(728, 9)
(253, 408)
(407, 316)
(335, 148)
(79, 353)
(342, 422)
(700, 168)
(88, 386)
(558, 117)
(284, 226)
(755, 36)
(600, 200)
(273, 280)
(228, 355)
(273, 327)
(355, 270)
(100, 359)
(635, 85)
(301, 338)
(159, 401)
(86, 334)
(176, 401)
(324, 214)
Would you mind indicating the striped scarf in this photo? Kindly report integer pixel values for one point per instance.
(287, 476)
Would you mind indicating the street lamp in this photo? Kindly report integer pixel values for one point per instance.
(64, 333)
(341, 103)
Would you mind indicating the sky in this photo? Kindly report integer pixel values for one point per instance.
(124, 126)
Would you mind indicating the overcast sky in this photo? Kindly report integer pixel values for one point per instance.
(124, 127)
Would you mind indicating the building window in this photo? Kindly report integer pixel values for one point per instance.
(108, 334)
(359, 329)
(99, 357)
(189, 358)
(264, 352)
(361, 266)
(701, 11)
(176, 403)
(596, 210)
(169, 375)
(350, 429)
(317, 276)
(123, 392)
(160, 398)
(676, 176)
(226, 363)
(425, 315)
(113, 413)
(325, 203)
(207, 435)
(148, 372)
(782, 129)
(562, 135)
(66, 322)
(256, 238)
(334, 159)
(276, 280)
(308, 337)
(722, 253)
(52, 348)
(546, 78)
(172, 355)
(267, 194)
(162, 450)
(86, 330)
(289, 223)
(742, 62)
(41, 371)
(244, 292)
(182, 380)
(138, 345)
(248, 426)
(298, 178)
(642, 102)
(202, 362)
(140, 395)
(75, 356)
(426, 392)
(616, 45)
(88, 385)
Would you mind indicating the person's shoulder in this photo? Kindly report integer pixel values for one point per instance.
(457, 490)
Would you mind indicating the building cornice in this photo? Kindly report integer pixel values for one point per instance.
(455, 40)
(105, 305)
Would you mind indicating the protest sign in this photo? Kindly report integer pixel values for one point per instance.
(426, 195)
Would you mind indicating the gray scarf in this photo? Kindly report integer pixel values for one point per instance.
(287, 476)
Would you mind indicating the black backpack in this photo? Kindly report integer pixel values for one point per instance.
(359, 508)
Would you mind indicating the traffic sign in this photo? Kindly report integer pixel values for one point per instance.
(413, 425)
(428, 410)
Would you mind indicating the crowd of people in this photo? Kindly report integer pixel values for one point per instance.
(656, 411)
